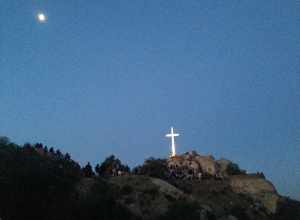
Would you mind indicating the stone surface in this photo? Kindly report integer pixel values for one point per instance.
(195, 163)
(256, 187)
(167, 188)
(223, 166)
(251, 184)
(146, 194)
(208, 164)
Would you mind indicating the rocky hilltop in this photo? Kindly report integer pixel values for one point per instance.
(192, 166)
(218, 184)
(41, 183)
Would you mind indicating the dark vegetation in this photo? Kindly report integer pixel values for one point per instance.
(233, 169)
(37, 182)
(186, 210)
(288, 208)
(111, 166)
(153, 167)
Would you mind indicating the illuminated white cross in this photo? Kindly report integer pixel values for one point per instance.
(172, 135)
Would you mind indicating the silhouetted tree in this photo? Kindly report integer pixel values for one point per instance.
(27, 146)
(67, 156)
(4, 140)
(34, 186)
(233, 169)
(88, 170)
(38, 145)
(111, 165)
(154, 168)
(51, 150)
(27, 177)
(97, 169)
(58, 153)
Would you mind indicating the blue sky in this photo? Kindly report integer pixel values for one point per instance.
(102, 77)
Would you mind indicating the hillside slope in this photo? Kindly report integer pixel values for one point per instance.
(39, 184)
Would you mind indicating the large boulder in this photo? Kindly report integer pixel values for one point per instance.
(167, 189)
(195, 162)
(257, 188)
(208, 164)
(146, 197)
(224, 165)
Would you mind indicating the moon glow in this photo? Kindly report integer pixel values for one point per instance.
(41, 17)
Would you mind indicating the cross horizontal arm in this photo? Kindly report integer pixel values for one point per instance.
(172, 135)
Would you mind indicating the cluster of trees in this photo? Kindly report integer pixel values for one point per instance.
(44, 151)
(111, 166)
(153, 167)
(32, 185)
(36, 183)
(41, 183)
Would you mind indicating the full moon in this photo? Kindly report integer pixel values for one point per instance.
(41, 17)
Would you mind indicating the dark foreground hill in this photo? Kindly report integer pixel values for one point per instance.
(41, 183)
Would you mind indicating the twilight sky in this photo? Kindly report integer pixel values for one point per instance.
(103, 77)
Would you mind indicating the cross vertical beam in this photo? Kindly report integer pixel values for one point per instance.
(172, 135)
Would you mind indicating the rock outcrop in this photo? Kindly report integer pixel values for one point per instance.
(141, 195)
(165, 189)
(257, 188)
(192, 165)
